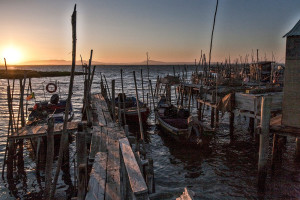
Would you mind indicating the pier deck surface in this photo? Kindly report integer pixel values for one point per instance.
(41, 130)
(115, 173)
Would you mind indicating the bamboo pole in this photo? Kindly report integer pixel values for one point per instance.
(64, 136)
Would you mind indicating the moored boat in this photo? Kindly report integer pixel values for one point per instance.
(55, 107)
(176, 122)
(131, 111)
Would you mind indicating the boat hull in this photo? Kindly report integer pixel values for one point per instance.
(181, 134)
(132, 116)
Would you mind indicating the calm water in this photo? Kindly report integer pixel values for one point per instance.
(226, 169)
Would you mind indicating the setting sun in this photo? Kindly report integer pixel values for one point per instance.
(11, 54)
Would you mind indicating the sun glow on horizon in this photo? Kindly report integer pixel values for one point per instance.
(11, 54)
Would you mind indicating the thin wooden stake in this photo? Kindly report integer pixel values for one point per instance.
(64, 137)
(138, 108)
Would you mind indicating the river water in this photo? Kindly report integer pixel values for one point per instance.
(226, 169)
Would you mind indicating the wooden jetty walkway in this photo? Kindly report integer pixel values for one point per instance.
(29, 132)
(116, 171)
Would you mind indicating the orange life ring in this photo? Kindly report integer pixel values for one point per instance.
(49, 89)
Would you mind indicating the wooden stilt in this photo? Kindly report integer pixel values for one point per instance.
(217, 118)
(297, 149)
(199, 111)
(64, 137)
(231, 124)
(276, 150)
(212, 117)
(50, 156)
(123, 97)
(113, 100)
(264, 141)
(81, 161)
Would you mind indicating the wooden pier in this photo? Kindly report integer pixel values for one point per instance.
(29, 132)
(116, 173)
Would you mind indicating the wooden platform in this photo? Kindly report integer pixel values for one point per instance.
(278, 128)
(114, 168)
(41, 130)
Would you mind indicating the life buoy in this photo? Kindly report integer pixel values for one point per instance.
(49, 89)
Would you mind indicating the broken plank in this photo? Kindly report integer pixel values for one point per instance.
(136, 179)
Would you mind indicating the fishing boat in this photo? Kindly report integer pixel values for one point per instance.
(131, 111)
(55, 107)
(175, 122)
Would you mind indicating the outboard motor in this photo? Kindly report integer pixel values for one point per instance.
(54, 99)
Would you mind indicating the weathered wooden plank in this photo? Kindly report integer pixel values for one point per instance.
(41, 130)
(97, 182)
(113, 184)
(136, 180)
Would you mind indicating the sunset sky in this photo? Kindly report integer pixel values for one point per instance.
(124, 30)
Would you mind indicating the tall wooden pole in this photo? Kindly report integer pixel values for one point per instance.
(152, 94)
(212, 34)
(113, 105)
(123, 97)
(50, 156)
(142, 85)
(138, 108)
(264, 141)
(64, 137)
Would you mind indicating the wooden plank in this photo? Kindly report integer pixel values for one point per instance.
(113, 184)
(97, 182)
(136, 180)
(41, 130)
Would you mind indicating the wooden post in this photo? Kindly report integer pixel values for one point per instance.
(231, 123)
(92, 78)
(152, 94)
(126, 131)
(212, 117)
(138, 108)
(251, 126)
(81, 160)
(264, 141)
(190, 97)
(82, 182)
(123, 97)
(50, 156)
(297, 149)
(113, 100)
(107, 87)
(142, 85)
(64, 137)
(119, 111)
(199, 111)
(217, 118)
(276, 151)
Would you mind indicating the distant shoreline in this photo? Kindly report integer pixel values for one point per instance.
(20, 74)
